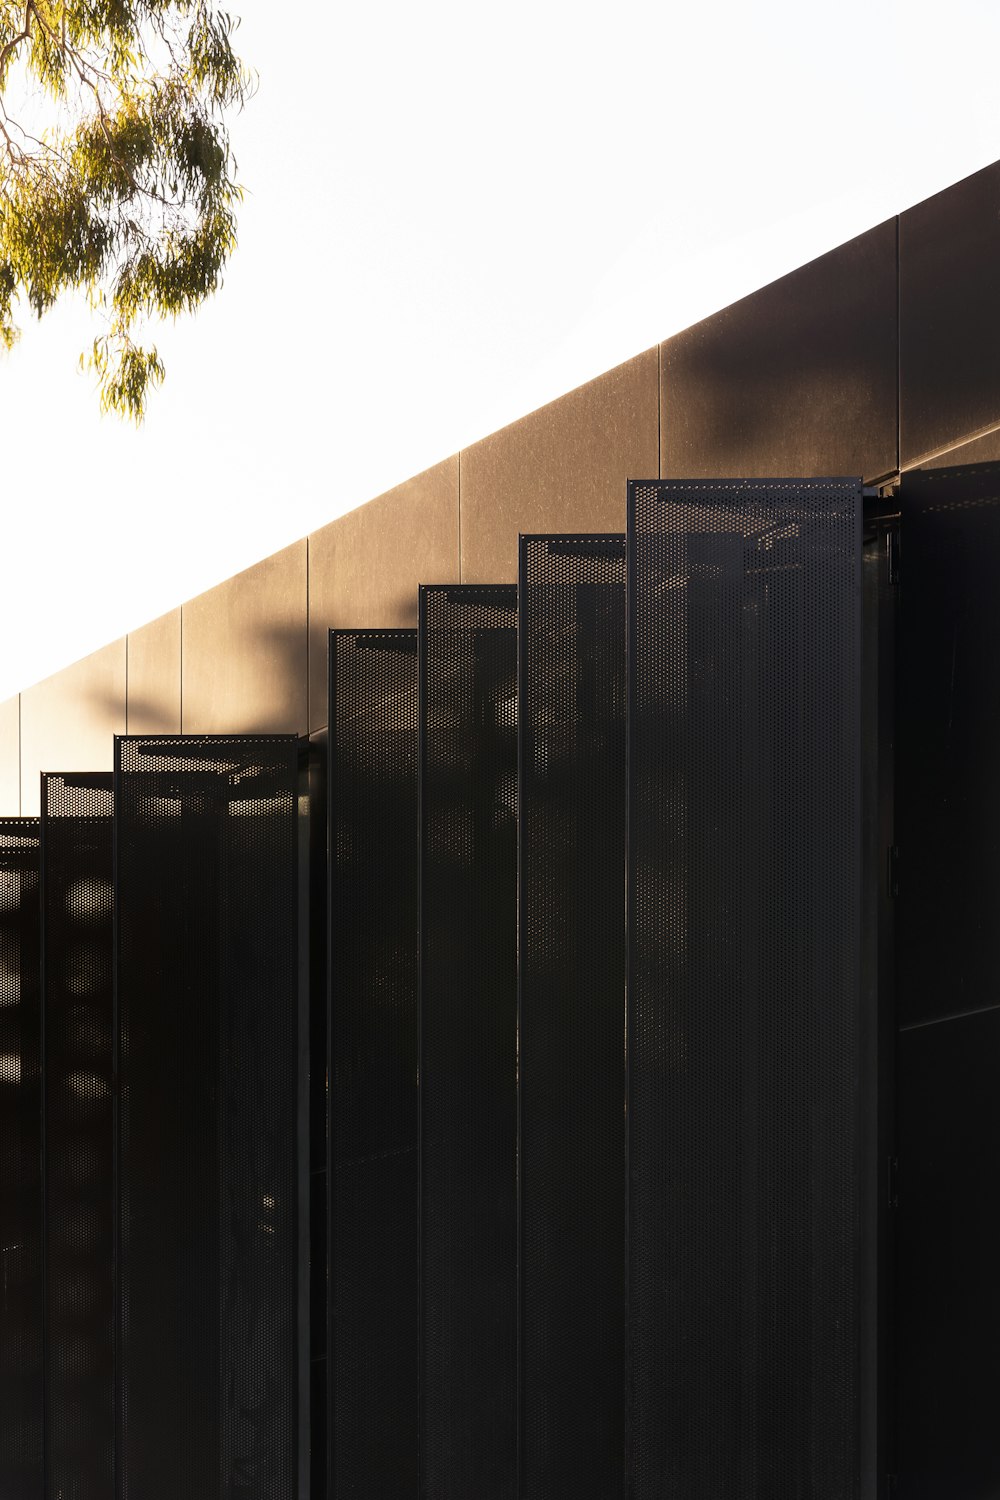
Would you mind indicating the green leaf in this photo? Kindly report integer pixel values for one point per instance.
(130, 194)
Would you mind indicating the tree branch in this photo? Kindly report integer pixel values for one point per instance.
(10, 47)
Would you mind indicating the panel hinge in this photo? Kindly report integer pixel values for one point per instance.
(892, 1181)
(893, 871)
(892, 549)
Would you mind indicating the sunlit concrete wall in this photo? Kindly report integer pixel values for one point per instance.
(77, 712)
(880, 356)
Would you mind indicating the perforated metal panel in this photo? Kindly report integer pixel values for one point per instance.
(948, 1311)
(571, 1016)
(206, 914)
(949, 795)
(373, 1062)
(948, 1047)
(318, 757)
(744, 1103)
(78, 946)
(20, 1164)
(468, 1041)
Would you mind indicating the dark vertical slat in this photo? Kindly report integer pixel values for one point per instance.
(21, 1459)
(948, 1046)
(744, 1003)
(207, 1012)
(78, 940)
(571, 1016)
(949, 795)
(877, 1075)
(310, 998)
(468, 1039)
(373, 1062)
(948, 1292)
(317, 883)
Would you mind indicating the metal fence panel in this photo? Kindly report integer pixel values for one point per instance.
(468, 1041)
(948, 1044)
(20, 1163)
(743, 1011)
(571, 1016)
(373, 1062)
(207, 1016)
(77, 961)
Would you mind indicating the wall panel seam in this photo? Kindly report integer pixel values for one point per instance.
(659, 411)
(180, 706)
(899, 355)
(460, 454)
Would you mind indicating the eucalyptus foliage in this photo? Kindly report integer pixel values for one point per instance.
(116, 173)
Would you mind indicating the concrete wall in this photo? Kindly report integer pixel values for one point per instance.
(77, 712)
(878, 356)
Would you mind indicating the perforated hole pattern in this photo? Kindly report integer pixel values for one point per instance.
(78, 949)
(468, 1039)
(20, 1163)
(744, 986)
(373, 1062)
(206, 1007)
(571, 1017)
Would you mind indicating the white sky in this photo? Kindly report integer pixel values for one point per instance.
(456, 213)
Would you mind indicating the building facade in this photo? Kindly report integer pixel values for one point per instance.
(877, 358)
(595, 767)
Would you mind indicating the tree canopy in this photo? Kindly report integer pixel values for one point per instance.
(116, 172)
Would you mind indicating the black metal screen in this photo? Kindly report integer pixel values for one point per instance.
(78, 948)
(207, 997)
(948, 792)
(571, 1016)
(373, 1062)
(947, 1383)
(20, 1163)
(318, 757)
(948, 1291)
(743, 1012)
(468, 1041)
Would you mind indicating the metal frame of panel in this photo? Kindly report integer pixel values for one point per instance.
(571, 1017)
(373, 1173)
(468, 1041)
(211, 1121)
(78, 1167)
(21, 1218)
(746, 1121)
